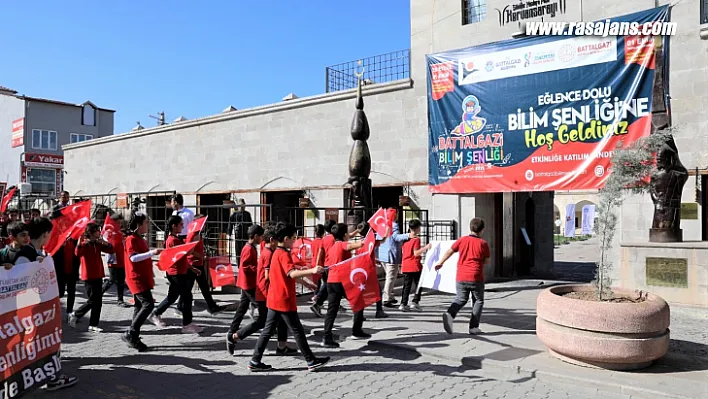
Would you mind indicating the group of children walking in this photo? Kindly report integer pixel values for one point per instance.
(267, 280)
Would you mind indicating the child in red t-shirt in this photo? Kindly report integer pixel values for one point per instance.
(318, 259)
(412, 267)
(179, 280)
(474, 254)
(139, 277)
(262, 285)
(116, 264)
(282, 301)
(92, 274)
(247, 278)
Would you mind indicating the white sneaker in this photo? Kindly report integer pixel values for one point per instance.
(95, 329)
(404, 308)
(416, 308)
(475, 331)
(192, 329)
(157, 320)
(73, 320)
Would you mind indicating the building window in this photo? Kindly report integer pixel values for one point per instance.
(473, 11)
(44, 139)
(43, 181)
(704, 12)
(88, 115)
(77, 137)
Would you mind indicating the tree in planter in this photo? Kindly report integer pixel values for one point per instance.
(631, 170)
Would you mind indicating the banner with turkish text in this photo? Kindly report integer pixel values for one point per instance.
(570, 220)
(30, 327)
(540, 113)
(221, 271)
(588, 220)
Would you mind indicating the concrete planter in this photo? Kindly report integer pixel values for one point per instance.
(614, 336)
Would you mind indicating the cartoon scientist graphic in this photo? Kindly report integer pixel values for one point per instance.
(471, 123)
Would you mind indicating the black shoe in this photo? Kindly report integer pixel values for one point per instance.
(360, 335)
(316, 310)
(287, 351)
(381, 315)
(123, 304)
(260, 366)
(216, 310)
(61, 382)
(140, 346)
(330, 343)
(393, 301)
(389, 304)
(317, 363)
(447, 322)
(342, 309)
(230, 344)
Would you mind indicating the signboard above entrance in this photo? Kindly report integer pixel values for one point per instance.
(541, 113)
(530, 10)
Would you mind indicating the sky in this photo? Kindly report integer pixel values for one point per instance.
(188, 58)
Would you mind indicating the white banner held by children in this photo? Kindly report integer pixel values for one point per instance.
(445, 279)
(30, 327)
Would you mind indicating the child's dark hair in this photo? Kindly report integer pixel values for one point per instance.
(269, 232)
(136, 220)
(339, 230)
(476, 225)
(283, 230)
(319, 231)
(255, 230)
(328, 225)
(12, 210)
(174, 220)
(35, 210)
(414, 224)
(91, 229)
(16, 228)
(37, 227)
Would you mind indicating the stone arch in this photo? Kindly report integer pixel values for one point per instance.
(283, 182)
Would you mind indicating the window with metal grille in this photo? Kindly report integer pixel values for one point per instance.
(704, 12)
(473, 11)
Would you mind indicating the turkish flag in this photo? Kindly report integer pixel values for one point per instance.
(369, 243)
(301, 252)
(380, 224)
(358, 276)
(196, 228)
(71, 223)
(221, 271)
(111, 233)
(7, 198)
(170, 256)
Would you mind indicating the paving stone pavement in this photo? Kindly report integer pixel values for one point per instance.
(191, 366)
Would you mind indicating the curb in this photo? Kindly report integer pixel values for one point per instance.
(479, 363)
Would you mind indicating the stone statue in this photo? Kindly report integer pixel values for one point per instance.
(666, 192)
(359, 165)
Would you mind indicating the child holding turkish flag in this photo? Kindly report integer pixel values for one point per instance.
(247, 277)
(116, 262)
(179, 283)
(282, 301)
(139, 277)
(339, 252)
(92, 274)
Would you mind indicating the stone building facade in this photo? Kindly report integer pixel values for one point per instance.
(303, 144)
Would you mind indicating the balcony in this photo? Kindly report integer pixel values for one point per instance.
(377, 69)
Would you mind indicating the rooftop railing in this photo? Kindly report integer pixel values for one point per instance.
(377, 69)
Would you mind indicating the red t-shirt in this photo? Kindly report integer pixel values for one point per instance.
(181, 266)
(410, 262)
(281, 292)
(138, 275)
(316, 245)
(196, 258)
(120, 255)
(247, 270)
(263, 265)
(470, 266)
(336, 253)
(91, 260)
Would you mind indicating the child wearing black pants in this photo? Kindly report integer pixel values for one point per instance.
(412, 267)
(282, 301)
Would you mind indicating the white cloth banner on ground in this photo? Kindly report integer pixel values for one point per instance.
(588, 220)
(570, 220)
(30, 327)
(444, 279)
